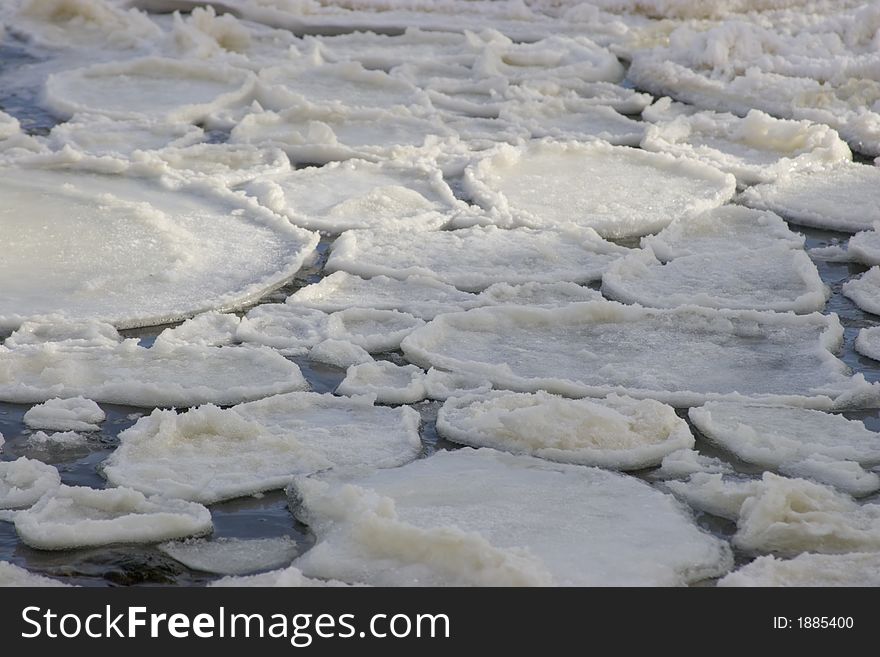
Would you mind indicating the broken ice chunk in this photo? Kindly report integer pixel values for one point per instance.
(232, 556)
(616, 432)
(209, 454)
(24, 481)
(865, 291)
(390, 383)
(72, 414)
(868, 342)
(855, 569)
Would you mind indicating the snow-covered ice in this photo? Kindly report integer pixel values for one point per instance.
(616, 432)
(75, 516)
(537, 294)
(685, 462)
(290, 577)
(722, 230)
(101, 135)
(24, 481)
(798, 441)
(211, 329)
(358, 194)
(390, 383)
(865, 290)
(133, 253)
(682, 356)
(865, 246)
(232, 556)
(845, 197)
(72, 414)
(868, 342)
(57, 440)
(339, 353)
(483, 517)
(474, 258)
(553, 184)
(421, 296)
(12, 575)
(574, 119)
(209, 454)
(757, 148)
(773, 278)
(855, 569)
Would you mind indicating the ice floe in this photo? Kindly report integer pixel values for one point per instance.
(856, 569)
(358, 194)
(802, 442)
(232, 556)
(865, 246)
(76, 516)
(773, 278)
(339, 353)
(547, 184)
(474, 258)
(390, 383)
(179, 90)
(786, 516)
(757, 148)
(57, 440)
(489, 518)
(616, 432)
(24, 481)
(12, 575)
(845, 197)
(685, 462)
(865, 290)
(682, 356)
(100, 135)
(126, 373)
(868, 342)
(537, 294)
(72, 414)
(421, 296)
(211, 329)
(576, 119)
(722, 230)
(209, 454)
(311, 135)
(133, 253)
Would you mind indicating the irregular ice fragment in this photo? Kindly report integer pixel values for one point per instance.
(483, 517)
(232, 556)
(773, 278)
(616, 432)
(75, 516)
(339, 353)
(100, 135)
(209, 454)
(390, 383)
(855, 569)
(420, 296)
(178, 90)
(373, 330)
(59, 439)
(865, 246)
(800, 442)
(286, 577)
(472, 259)
(12, 575)
(552, 184)
(868, 342)
(682, 356)
(537, 294)
(132, 252)
(576, 119)
(72, 414)
(211, 329)
(685, 462)
(845, 197)
(24, 481)
(722, 230)
(865, 290)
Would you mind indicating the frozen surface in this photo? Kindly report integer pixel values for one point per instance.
(129, 374)
(617, 432)
(552, 184)
(178, 90)
(856, 569)
(57, 440)
(757, 148)
(100, 135)
(489, 518)
(868, 342)
(371, 329)
(575, 119)
(358, 194)
(474, 258)
(24, 481)
(681, 356)
(685, 462)
(537, 294)
(845, 197)
(722, 230)
(865, 291)
(209, 454)
(774, 278)
(390, 383)
(865, 246)
(420, 296)
(798, 441)
(339, 353)
(134, 253)
(11, 575)
(211, 329)
(76, 516)
(232, 556)
(73, 414)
